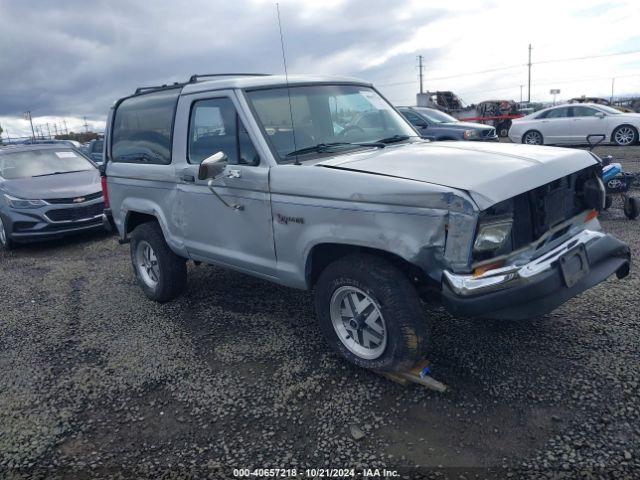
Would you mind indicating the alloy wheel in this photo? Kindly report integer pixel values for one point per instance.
(358, 322)
(533, 138)
(147, 264)
(625, 136)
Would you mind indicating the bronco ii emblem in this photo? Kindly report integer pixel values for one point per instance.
(284, 219)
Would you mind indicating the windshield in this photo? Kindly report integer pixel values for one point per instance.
(34, 163)
(335, 116)
(435, 116)
(607, 109)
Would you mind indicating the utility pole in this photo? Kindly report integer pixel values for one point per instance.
(86, 125)
(613, 81)
(55, 129)
(521, 93)
(48, 130)
(529, 83)
(420, 67)
(27, 116)
(66, 130)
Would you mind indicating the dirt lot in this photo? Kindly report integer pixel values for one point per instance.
(98, 381)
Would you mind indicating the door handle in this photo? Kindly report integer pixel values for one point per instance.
(186, 177)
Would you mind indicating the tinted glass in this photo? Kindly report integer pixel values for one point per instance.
(323, 114)
(38, 163)
(413, 118)
(215, 127)
(142, 128)
(98, 145)
(580, 111)
(436, 116)
(556, 113)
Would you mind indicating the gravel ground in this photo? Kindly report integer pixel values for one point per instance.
(98, 381)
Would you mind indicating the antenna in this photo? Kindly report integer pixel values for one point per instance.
(286, 79)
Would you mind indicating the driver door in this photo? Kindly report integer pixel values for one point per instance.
(214, 232)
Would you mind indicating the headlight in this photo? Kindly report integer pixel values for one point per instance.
(469, 134)
(492, 235)
(14, 202)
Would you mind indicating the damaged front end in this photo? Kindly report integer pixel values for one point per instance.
(536, 250)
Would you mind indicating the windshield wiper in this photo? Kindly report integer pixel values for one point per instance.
(57, 173)
(324, 147)
(394, 139)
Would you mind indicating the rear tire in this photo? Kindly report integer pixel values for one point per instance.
(389, 330)
(624, 135)
(161, 274)
(532, 137)
(631, 208)
(5, 241)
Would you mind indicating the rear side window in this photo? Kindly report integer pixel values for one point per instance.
(143, 128)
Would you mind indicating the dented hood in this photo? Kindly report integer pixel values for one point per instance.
(490, 173)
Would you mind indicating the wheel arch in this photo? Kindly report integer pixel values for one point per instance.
(323, 254)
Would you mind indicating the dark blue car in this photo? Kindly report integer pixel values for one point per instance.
(436, 125)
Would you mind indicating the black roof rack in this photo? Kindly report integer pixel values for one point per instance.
(194, 78)
(140, 90)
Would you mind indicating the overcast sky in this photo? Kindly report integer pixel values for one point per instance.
(71, 59)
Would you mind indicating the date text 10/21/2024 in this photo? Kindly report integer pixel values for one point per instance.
(316, 473)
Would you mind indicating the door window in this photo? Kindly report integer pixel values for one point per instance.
(414, 118)
(215, 127)
(581, 111)
(561, 112)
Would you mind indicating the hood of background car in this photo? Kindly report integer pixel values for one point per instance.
(464, 125)
(490, 173)
(65, 185)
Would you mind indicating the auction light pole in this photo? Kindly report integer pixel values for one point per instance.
(613, 81)
(529, 83)
(420, 67)
(27, 116)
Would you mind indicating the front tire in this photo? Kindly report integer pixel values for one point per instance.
(532, 137)
(632, 208)
(370, 313)
(624, 135)
(161, 274)
(5, 241)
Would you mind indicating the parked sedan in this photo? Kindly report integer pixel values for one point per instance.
(93, 150)
(47, 191)
(436, 125)
(571, 124)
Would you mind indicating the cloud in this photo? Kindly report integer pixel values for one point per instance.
(73, 58)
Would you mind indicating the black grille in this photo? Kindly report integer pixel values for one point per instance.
(75, 213)
(489, 132)
(72, 200)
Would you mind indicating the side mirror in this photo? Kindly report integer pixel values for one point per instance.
(600, 115)
(211, 167)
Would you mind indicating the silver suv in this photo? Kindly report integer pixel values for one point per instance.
(276, 178)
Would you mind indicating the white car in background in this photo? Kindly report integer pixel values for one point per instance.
(571, 124)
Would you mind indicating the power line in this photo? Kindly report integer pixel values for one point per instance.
(510, 67)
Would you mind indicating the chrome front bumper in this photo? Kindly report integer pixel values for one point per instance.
(513, 275)
(529, 289)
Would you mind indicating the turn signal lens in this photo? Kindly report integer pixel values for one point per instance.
(590, 216)
(485, 268)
